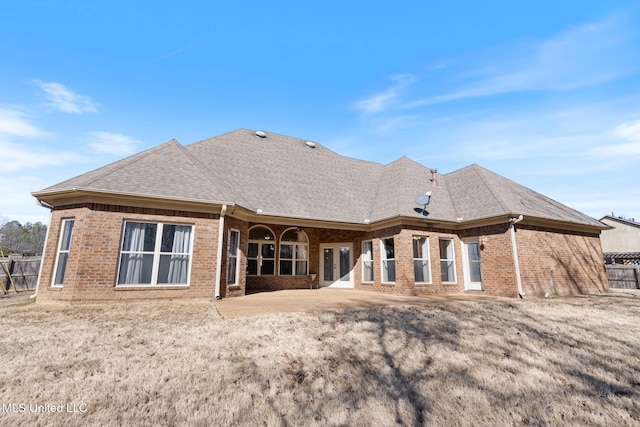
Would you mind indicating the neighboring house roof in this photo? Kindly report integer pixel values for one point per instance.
(624, 221)
(283, 176)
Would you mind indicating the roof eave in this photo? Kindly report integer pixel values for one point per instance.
(67, 196)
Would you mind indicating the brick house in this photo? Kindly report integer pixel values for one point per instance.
(248, 211)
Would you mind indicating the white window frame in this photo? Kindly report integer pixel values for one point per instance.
(452, 259)
(234, 259)
(61, 251)
(156, 255)
(294, 260)
(425, 258)
(384, 261)
(470, 285)
(367, 261)
(259, 259)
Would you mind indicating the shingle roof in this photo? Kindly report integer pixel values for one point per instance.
(165, 171)
(480, 193)
(283, 176)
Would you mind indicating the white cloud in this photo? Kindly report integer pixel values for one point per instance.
(62, 99)
(16, 157)
(382, 101)
(583, 56)
(113, 143)
(13, 122)
(628, 131)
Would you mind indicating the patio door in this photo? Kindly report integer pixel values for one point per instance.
(336, 265)
(472, 265)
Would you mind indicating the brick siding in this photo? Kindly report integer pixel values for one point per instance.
(560, 263)
(95, 249)
(551, 261)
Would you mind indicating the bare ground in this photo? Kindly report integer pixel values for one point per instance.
(566, 361)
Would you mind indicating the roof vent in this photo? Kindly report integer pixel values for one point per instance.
(310, 144)
(261, 134)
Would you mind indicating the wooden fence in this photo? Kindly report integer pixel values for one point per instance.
(24, 273)
(623, 276)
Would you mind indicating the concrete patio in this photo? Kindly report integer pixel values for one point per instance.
(307, 300)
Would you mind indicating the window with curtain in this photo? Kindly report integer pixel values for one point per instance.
(155, 254)
(294, 253)
(234, 246)
(367, 261)
(388, 260)
(421, 266)
(63, 252)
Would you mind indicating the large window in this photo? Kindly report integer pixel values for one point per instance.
(367, 261)
(447, 261)
(421, 265)
(155, 254)
(261, 256)
(294, 253)
(388, 260)
(63, 252)
(234, 260)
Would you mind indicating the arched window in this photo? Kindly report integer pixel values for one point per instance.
(261, 256)
(294, 253)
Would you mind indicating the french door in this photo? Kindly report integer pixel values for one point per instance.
(336, 265)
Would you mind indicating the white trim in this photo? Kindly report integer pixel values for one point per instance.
(453, 258)
(235, 282)
(425, 257)
(383, 258)
(294, 259)
(156, 256)
(337, 283)
(368, 260)
(259, 259)
(219, 253)
(468, 284)
(59, 251)
(516, 263)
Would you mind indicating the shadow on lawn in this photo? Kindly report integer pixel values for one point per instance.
(499, 363)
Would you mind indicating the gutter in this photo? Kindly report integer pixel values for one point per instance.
(512, 223)
(219, 255)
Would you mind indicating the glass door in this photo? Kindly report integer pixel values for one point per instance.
(473, 267)
(336, 265)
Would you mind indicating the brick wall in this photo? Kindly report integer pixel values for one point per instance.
(239, 289)
(560, 263)
(496, 257)
(95, 249)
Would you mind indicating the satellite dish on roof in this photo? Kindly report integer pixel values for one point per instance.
(261, 134)
(310, 144)
(423, 199)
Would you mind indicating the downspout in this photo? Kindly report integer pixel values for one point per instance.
(44, 248)
(219, 261)
(512, 223)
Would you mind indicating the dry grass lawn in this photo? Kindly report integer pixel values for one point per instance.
(568, 361)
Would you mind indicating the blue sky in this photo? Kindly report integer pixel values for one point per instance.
(544, 93)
